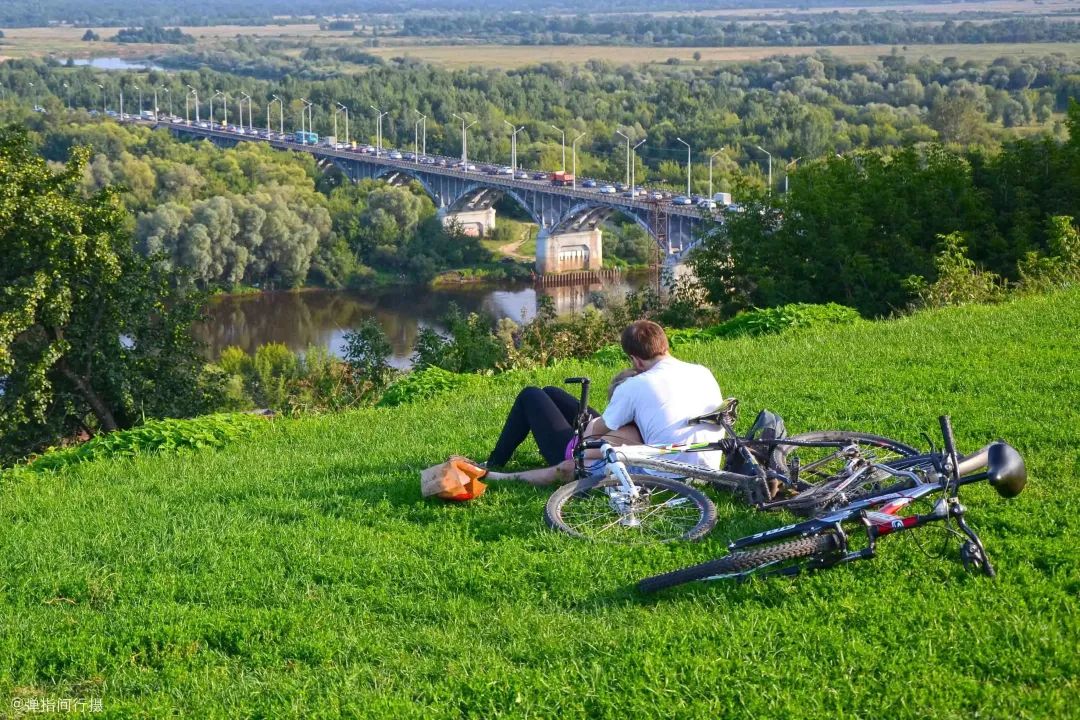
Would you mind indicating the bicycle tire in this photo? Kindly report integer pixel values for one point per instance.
(739, 562)
(555, 509)
(818, 478)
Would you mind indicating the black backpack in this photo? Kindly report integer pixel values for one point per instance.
(767, 426)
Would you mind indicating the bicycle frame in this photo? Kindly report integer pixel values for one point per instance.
(878, 514)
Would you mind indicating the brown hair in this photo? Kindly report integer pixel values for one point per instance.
(644, 339)
(619, 379)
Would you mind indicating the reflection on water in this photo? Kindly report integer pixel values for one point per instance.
(322, 317)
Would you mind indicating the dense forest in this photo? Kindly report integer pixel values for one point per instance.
(792, 107)
(254, 216)
(870, 230)
(153, 34)
(706, 31)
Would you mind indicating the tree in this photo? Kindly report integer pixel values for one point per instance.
(92, 334)
(90, 36)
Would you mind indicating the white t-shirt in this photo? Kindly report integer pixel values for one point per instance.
(661, 400)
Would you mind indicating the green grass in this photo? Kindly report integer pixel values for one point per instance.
(299, 574)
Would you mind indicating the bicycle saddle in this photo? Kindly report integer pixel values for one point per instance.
(727, 412)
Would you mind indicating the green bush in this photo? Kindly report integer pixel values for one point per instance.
(209, 431)
(959, 280)
(784, 317)
(367, 351)
(420, 385)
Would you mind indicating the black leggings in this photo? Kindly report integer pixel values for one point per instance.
(548, 413)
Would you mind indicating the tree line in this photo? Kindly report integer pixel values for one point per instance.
(711, 31)
(115, 13)
(875, 230)
(792, 107)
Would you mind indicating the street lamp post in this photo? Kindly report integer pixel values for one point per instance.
(563, 133)
(196, 94)
(169, 93)
(513, 144)
(121, 104)
(786, 168)
(346, 111)
(573, 147)
(627, 138)
(140, 100)
(687, 164)
(770, 165)
(104, 100)
(710, 170)
(423, 136)
(464, 139)
(305, 115)
(216, 93)
(281, 114)
(378, 128)
(633, 169)
(251, 123)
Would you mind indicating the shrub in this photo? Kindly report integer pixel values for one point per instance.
(367, 351)
(779, 319)
(210, 431)
(421, 385)
(275, 365)
(959, 281)
(1061, 267)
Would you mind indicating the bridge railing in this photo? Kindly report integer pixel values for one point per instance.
(592, 196)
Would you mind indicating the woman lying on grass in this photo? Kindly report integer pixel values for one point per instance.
(549, 414)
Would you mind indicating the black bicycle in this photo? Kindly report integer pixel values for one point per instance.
(825, 541)
(612, 502)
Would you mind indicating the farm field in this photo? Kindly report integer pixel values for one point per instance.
(65, 41)
(298, 573)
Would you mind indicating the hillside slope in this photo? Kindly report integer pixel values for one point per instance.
(299, 574)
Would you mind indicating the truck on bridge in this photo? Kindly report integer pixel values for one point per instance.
(562, 178)
(306, 138)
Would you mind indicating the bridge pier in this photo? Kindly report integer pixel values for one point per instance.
(578, 250)
(475, 223)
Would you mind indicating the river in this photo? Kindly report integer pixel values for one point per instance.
(322, 317)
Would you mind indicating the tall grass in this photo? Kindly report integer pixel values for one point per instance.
(298, 573)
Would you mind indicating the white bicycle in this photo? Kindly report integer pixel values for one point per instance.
(805, 473)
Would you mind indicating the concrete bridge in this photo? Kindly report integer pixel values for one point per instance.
(568, 218)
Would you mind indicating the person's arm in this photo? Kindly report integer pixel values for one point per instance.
(619, 412)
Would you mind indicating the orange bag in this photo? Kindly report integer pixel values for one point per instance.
(456, 479)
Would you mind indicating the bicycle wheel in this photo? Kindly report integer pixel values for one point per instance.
(823, 480)
(661, 511)
(740, 562)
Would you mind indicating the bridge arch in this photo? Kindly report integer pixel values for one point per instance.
(583, 209)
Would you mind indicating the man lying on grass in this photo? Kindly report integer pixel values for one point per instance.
(648, 404)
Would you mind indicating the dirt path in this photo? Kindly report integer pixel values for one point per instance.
(510, 249)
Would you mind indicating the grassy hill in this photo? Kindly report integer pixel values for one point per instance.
(297, 573)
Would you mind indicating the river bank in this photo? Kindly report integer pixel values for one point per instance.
(311, 316)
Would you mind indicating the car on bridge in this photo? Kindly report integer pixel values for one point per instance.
(588, 183)
(682, 200)
(621, 187)
(395, 155)
(608, 190)
(521, 175)
(540, 176)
